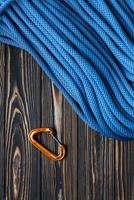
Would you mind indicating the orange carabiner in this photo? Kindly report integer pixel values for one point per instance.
(44, 150)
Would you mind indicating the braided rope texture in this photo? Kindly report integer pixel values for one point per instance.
(86, 47)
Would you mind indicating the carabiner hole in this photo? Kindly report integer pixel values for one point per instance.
(48, 141)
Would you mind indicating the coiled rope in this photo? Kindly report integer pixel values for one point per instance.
(86, 47)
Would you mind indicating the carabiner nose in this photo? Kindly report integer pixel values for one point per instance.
(44, 150)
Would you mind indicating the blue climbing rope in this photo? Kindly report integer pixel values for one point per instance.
(86, 47)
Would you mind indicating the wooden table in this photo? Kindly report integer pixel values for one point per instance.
(95, 167)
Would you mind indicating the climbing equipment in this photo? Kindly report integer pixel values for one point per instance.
(44, 150)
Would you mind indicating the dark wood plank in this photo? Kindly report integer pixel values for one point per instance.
(2, 113)
(48, 169)
(70, 167)
(22, 112)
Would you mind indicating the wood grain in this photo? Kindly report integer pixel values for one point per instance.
(2, 124)
(95, 167)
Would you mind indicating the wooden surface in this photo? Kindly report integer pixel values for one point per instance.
(95, 167)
